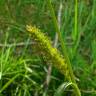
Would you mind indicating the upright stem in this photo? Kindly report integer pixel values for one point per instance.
(76, 20)
(63, 46)
(48, 77)
(61, 40)
(76, 34)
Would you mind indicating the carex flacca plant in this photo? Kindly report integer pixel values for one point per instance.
(51, 53)
(61, 62)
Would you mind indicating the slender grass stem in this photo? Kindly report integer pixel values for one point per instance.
(76, 35)
(76, 21)
(63, 45)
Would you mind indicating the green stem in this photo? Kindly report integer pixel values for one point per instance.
(76, 21)
(76, 35)
(62, 45)
(77, 91)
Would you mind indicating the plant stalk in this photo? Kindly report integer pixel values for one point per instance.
(77, 91)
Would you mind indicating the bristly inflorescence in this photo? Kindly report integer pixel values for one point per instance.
(50, 52)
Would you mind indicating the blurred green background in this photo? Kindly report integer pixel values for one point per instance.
(20, 62)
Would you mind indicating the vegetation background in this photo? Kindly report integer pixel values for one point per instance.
(22, 70)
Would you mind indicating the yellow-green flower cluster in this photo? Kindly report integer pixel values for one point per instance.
(50, 52)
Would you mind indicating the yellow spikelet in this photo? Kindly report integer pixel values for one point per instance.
(50, 52)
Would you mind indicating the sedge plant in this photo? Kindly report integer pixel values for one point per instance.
(51, 53)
